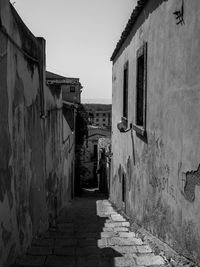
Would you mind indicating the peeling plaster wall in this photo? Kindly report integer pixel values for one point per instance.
(161, 172)
(53, 151)
(33, 168)
(59, 146)
(22, 191)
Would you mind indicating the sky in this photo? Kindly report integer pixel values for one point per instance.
(81, 36)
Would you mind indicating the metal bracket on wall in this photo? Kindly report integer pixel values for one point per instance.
(179, 14)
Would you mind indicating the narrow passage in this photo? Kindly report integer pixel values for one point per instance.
(90, 234)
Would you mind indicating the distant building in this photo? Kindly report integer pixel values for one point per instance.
(90, 152)
(71, 87)
(101, 118)
(99, 114)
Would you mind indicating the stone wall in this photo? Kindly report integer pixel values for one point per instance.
(160, 171)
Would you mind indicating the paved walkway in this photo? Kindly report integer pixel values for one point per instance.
(90, 234)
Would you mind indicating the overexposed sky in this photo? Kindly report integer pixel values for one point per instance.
(80, 37)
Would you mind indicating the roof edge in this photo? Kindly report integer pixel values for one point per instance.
(134, 16)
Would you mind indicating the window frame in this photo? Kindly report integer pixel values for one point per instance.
(125, 89)
(141, 52)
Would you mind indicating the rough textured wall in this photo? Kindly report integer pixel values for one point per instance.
(59, 145)
(53, 151)
(67, 191)
(160, 173)
(74, 97)
(22, 190)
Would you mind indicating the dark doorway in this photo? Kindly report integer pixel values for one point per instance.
(123, 189)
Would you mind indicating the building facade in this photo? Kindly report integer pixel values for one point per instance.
(101, 118)
(36, 140)
(89, 158)
(99, 114)
(156, 96)
(71, 87)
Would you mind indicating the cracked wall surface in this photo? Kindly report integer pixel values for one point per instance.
(162, 170)
(33, 181)
(192, 180)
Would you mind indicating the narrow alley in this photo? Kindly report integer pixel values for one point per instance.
(99, 152)
(90, 234)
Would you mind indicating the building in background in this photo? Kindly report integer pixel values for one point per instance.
(104, 164)
(156, 149)
(71, 87)
(89, 157)
(99, 114)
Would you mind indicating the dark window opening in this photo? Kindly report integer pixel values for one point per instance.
(141, 87)
(123, 188)
(72, 89)
(125, 91)
(95, 151)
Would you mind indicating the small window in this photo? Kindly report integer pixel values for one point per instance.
(125, 91)
(97, 119)
(104, 114)
(104, 119)
(141, 87)
(72, 89)
(104, 124)
(97, 124)
(97, 114)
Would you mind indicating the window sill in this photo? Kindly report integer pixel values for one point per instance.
(139, 130)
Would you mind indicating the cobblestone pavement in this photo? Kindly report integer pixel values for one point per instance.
(90, 234)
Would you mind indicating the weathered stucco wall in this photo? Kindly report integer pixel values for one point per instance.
(31, 138)
(22, 197)
(59, 152)
(161, 172)
(68, 158)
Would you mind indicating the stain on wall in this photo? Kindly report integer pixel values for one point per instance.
(192, 180)
(162, 172)
(32, 156)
